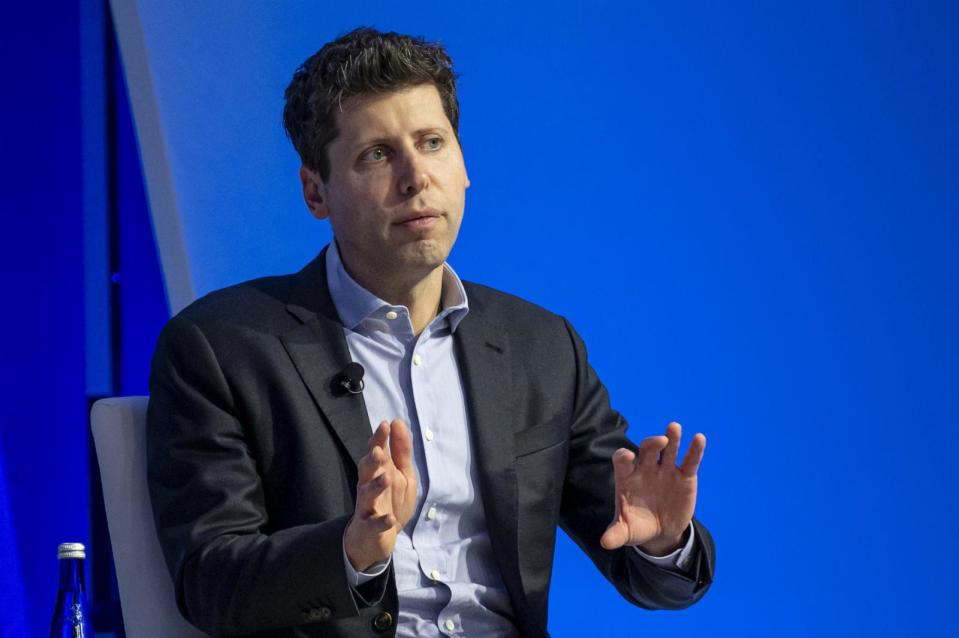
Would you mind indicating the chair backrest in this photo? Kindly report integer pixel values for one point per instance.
(146, 589)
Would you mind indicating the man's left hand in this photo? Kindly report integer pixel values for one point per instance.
(655, 499)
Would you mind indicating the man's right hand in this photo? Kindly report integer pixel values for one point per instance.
(385, 496)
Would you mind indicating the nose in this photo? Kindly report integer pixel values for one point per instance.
(413, 177)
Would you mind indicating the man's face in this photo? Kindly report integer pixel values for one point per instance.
(397, 184)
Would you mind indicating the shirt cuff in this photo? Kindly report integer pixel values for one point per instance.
(677, 559)
(356, 578)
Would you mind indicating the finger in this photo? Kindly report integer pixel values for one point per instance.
(694, 455)
(617, 533)
(365, 468)
(378, 523)
(371, 465)
(622, 466)
(381, 436)
(401, 447)
(369, 496)
(650, 448)
(674, 433)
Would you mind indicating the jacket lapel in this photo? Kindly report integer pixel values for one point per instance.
(319, 352)
(484, 360)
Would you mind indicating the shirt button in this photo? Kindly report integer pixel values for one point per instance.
(429, 435)
(431, 513)
(435, 575)
(391, 315)
(417, 360)
(450, 625)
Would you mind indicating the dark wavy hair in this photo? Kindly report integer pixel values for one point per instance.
(362, 62)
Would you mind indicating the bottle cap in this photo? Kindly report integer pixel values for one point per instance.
(71, 550)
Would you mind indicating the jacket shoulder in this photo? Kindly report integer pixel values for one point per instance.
(515, 314)
(257, 304)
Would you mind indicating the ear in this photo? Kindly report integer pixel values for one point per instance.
(314, 192)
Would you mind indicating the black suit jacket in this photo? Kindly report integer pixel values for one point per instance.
(252, 460)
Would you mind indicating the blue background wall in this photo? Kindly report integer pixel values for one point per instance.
(749, 212)
(43, 473)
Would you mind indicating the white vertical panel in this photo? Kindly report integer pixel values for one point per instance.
(154, 153)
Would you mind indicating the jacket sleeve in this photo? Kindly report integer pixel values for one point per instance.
(230, 577)
(587, 502)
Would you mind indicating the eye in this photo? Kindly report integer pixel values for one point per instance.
(375, 154)
(433, 143)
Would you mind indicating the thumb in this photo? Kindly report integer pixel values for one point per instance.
(617, 533)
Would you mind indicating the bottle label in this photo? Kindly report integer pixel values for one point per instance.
(76, 614)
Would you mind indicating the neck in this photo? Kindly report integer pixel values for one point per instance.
(420, 293)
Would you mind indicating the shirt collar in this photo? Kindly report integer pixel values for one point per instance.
(355, 304)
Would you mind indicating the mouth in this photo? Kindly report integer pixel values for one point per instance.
(419, 219)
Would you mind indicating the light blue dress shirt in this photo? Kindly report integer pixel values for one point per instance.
(446, 576)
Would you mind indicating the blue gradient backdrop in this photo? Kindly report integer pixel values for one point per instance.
(750, 211)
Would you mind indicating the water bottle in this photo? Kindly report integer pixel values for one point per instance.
(70, 617)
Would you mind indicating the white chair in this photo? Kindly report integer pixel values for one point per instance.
(146, 589)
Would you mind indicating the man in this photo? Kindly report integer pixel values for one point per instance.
(418, 493)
